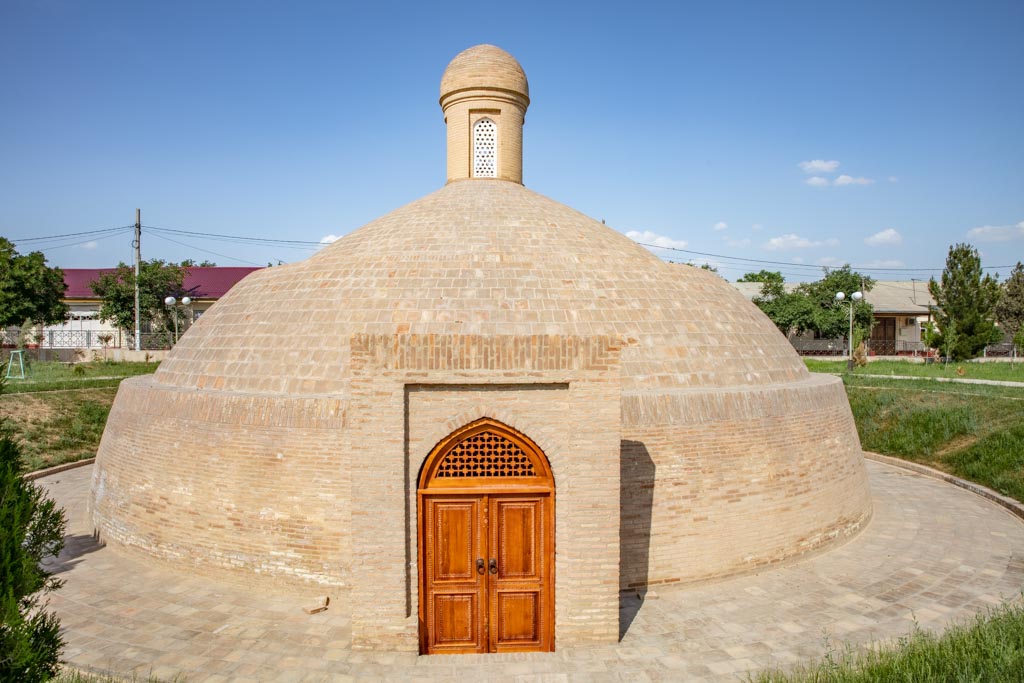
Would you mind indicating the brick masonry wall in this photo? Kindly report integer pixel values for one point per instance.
(719, 482)
(567, 402)
(710, 483)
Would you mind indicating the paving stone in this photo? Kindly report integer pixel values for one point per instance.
(918, 561)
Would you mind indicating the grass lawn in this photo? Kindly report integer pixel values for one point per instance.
(973, 431)
(58, 412)
(50, 375)
(1009, 372)
(990, 648)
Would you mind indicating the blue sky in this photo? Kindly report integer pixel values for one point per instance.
(875, 133)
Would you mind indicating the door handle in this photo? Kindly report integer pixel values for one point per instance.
(480, 565)
(493, 566)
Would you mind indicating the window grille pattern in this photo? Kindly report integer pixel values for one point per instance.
(486, 455)
(485, 149)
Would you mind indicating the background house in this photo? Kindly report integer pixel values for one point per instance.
(84, 330)
(900, 308)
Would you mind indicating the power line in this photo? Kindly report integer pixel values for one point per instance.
(241, 240)
(69, 234)
(209, 235)
(806, 265)
(206, 251)
(93, 239)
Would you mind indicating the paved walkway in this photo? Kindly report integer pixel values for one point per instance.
(931, 554)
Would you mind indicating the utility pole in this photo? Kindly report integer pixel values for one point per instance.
(138, 264)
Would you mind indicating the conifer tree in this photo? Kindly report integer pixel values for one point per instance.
(965, 302)
(1010, 309)
(31, 528)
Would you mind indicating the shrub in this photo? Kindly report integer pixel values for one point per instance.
(31, 528)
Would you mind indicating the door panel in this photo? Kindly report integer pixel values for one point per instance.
(455, 592)
(518, 619)
(454, 542)
(456, 621)
(520, 589)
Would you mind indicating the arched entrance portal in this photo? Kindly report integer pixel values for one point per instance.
(486, 543)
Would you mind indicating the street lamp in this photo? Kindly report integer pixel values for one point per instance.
(854, 298)
(170, 303)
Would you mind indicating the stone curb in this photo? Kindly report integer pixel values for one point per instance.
(951, 380)
(59, 468)
(1013, 506)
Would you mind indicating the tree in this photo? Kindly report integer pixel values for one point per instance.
(811, 307)
(30, 291)
(828, 319)
(1010, 308)
(157, 281)
(31, 529)
(763, 276)
(965, 302)
(783, 308)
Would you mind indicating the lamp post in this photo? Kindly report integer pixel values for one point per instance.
(171, 302)
(854, 298)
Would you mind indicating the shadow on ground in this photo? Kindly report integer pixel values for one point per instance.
(76, 546)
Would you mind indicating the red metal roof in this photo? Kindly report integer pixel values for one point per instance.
(204, 283)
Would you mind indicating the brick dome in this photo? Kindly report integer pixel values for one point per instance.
(482, 258)
(484, 66)
(284, 439)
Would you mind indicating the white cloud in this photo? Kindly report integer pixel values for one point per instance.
(819, 166)
(793, 241)
(88, 245)
(721, 225)
(884, 263)
(745, 242)
(850, 180)
(652, 238)
(997, 233)
(817, 181)
(830, 261)
(798, 259)
(328, 239)
(893, 179)
(756, 226)
(886, 238)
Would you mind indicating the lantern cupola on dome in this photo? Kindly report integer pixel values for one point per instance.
(484, 96)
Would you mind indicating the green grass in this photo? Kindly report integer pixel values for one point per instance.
(58, 412)
(1008, 372)
(51, 376)
(988, 648)
(972, 431)
(55, 427)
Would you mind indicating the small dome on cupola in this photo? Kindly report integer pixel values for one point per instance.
(484, 96)
(484, 67)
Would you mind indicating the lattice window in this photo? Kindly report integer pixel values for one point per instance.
(486, 455)
(485, 149)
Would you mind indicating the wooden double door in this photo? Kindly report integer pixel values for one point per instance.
(486, 549)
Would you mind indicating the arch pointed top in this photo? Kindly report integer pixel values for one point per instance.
(486, 452)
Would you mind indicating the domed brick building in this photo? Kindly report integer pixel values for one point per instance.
(476, 419)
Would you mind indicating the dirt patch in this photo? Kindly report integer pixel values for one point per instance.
(25, 409)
